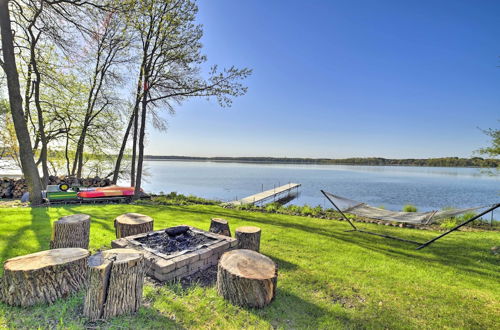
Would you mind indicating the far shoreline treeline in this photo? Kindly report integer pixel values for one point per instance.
(369, 161)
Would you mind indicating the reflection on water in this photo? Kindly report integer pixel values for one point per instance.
(391, 186)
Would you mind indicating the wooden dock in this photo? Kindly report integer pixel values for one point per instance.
(265, 195)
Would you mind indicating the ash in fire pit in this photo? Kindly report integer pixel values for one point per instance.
(175, 239)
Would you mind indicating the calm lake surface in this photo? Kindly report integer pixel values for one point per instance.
(428, 188)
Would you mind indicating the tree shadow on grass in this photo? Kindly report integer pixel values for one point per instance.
(68, 313)
(288, 310)
(283, 264)
(461, 255)
(41, 228)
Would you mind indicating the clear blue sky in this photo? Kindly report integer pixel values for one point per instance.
(396, 79)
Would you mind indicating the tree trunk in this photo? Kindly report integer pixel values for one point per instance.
(248, 238)
(138, 98)
(134, 146)
(220, 226)
(75, 160)
(115, 283)
(133, 120)
(118, 163)
(247, 278)
(41, 122)
(138, 181)
(78, 163)
(30, 171)
(132, 224)
(71, 231)
(43, 277)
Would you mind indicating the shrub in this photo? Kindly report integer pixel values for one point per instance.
(467, 216)
(317, 210)
(409, 208)
(247, 207)
(272, 207)
(306, 210)
(448, 223)
(293, 209)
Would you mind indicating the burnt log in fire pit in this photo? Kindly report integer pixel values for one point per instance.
(177, 252)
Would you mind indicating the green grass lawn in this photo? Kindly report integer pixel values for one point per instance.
(327, 278)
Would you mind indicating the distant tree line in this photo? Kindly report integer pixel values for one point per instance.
(432, 162)
(86, 78)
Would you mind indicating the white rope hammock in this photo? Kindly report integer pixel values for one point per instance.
(364, 210)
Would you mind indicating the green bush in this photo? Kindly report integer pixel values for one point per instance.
(467, 216)
(448, 223)
(453, 221)
(247, 207)
(272, 207)
(306, 210)
(318, 210)
(409, 208)
(293, 209)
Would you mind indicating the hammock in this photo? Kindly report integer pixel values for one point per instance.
(364, 210)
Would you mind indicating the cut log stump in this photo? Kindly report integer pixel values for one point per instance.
(115, 283)
(248, 238)
(71, 231)
(220, 226)
(247, 278)
(44, 276)
(132, 224)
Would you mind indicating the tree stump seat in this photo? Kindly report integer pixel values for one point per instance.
(115, 283)
(71, 231)
(247, 278)
(248, 238)
(132, 224)
(44, 277)
(220, 226)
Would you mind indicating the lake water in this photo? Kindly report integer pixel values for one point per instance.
(428, 188)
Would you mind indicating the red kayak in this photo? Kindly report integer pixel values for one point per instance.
(111, 191)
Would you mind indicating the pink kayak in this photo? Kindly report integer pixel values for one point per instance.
(112, 191)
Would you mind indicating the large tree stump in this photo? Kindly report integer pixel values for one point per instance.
(132, 224)
(115, 283)
(71, 231)
(220, 226)
(248, 238)
(44, 276)
(247, 278)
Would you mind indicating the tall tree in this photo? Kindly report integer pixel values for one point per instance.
(108, 46)
(170, 65)
(9, 65)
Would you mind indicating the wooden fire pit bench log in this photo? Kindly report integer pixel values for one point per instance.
(71, 231)
(132, 224)
(44, 276)
(248, 238)
(220, 226)
(115, 283)
(247, 278)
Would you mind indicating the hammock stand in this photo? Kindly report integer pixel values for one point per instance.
(420, 244)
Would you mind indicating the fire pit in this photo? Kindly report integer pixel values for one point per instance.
(177, 252)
